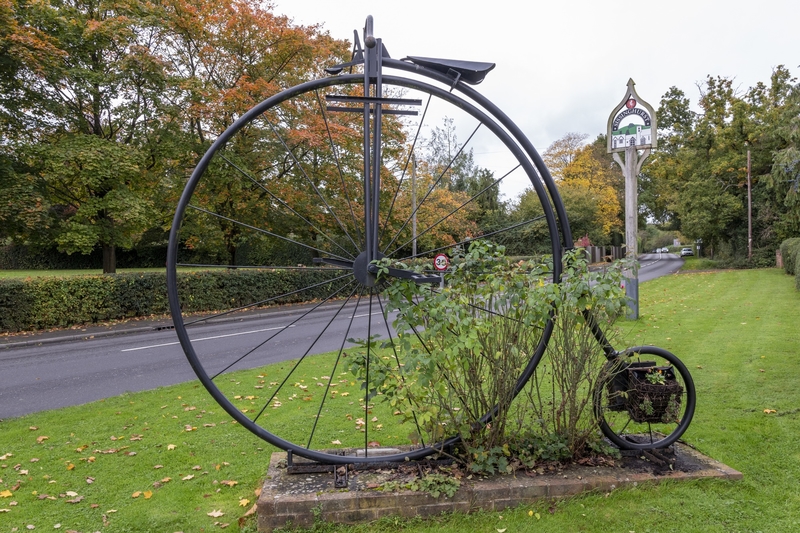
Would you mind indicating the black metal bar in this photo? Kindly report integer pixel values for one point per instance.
(372, 99)
(359, 110)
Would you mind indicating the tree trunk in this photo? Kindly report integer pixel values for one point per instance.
(109, 259)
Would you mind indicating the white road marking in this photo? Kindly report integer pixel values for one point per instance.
(206, 338)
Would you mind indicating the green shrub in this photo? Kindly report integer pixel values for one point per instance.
(482, 354)
(789, 251)
(46, 302)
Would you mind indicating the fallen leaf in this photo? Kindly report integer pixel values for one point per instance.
(136, 494)
(337, 441)
(42, 439)
(75, 500)
(243, 502)
(166, 480)
(158, 466)
(215, 514)
(770, 411)
(171, 446)
(89, 480)
(229, 482)
(187, 478)
(6, 494)
(147, 494)
(70, 466)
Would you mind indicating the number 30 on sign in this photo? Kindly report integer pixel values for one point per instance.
(441, 262)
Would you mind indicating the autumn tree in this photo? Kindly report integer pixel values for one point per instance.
(589, 186)
(562, 152)
(225, 57)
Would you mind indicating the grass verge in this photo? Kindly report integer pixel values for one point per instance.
(23, 274)
(736, 330)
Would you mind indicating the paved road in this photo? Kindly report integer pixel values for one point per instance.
(656, 265)
(58, 369)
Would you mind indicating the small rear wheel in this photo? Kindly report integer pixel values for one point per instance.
(645, 399)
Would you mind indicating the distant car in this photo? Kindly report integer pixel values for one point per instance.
(686, 251)
(664, 250)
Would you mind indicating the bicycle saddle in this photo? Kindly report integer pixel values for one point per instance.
(472, 72)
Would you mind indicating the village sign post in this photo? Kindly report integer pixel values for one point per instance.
(631, 127)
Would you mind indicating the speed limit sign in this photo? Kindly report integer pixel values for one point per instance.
(441, 262)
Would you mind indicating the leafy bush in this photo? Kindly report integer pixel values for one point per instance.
(789, 251)
(762, 258)
(47, 302)
(460, 363)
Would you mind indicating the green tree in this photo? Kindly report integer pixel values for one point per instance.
(86, 98)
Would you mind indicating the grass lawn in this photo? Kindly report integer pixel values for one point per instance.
(170, 459)
(22, 274)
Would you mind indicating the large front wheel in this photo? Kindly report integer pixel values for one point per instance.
(279, 204)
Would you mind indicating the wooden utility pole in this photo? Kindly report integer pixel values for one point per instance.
(749, 212)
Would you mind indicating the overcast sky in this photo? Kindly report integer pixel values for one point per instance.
(563, 66)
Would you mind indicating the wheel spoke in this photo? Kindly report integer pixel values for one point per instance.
(432, 187)
(302, 358)
(485, 235)
(453, 212)
(397, 361)
(339, 169)
(291, 324)
(405, 168)
(333, 372)
(309, 180)
(287, 206)
(271, 234)
(263, 302)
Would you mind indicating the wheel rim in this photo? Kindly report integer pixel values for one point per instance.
(235, 186)
(623, 413)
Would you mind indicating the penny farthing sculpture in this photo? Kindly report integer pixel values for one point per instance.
(323, 175)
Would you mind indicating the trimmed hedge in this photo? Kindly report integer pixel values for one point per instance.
(790, 249)
(47, 302)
